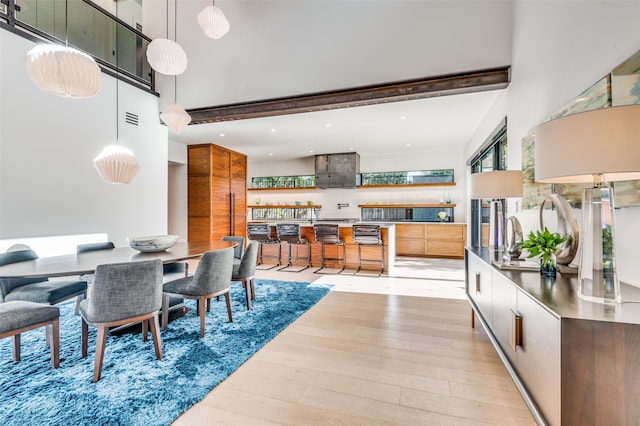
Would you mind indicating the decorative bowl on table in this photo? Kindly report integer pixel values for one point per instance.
(154, 243)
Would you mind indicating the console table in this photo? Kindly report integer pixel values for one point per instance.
(574, 362)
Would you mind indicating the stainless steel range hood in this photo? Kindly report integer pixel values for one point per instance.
(337, 170)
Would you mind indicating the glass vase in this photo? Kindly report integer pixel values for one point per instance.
(549, 267)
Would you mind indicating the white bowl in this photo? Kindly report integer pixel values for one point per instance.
(153, 243)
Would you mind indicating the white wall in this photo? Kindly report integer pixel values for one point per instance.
(177, 194)
(560, 48)
(48, 184)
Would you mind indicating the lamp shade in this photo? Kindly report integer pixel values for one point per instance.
(63, 71)
(116, 164)
(213, 22)
(166, 57)
(606, 141)
(496, 184)
(175, 117)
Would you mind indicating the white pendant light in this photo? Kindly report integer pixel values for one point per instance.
(63, 71)
(116, 164)
(213, 22)
(175, 117)
(166, 57)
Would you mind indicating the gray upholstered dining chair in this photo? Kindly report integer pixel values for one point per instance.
(237, 250)
(38, 290)
(245, 271)
(18, 316)
(104, 245)
(122, 293)
(212, 278)
(85, 248)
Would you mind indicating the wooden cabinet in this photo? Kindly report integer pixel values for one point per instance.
(480, 286)
(410, 239)
(435, 240)
(575, 362)
(217, 192)
(539, 356)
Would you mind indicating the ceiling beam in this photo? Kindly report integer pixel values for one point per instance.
(453, 84)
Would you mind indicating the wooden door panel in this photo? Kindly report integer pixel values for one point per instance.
(445, 248)
(238, 166)
(199, 196)
(199, 228)
(405, 246)
(409, 231)
(199, 160)
(220, 162)
(445, 232)
(221, 226)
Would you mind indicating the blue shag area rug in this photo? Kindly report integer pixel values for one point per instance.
(135, 388)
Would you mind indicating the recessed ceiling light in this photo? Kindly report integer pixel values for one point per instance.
(273, 130)
(328, 125)
(351, 149)
(311, 151)
(270, 154)
(408, 144)
(221, 134)
(403, 118)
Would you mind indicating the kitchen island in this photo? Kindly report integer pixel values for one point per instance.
(388, 232)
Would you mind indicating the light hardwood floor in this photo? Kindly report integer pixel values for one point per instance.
(367, 355)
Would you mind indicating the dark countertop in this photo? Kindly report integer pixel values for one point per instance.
(560, 295)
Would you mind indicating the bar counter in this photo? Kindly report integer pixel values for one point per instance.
(368, 252)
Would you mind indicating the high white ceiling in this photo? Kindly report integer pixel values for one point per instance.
(279, 48)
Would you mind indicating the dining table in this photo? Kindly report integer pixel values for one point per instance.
(87, 262)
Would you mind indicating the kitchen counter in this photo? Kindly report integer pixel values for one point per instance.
(388, 234)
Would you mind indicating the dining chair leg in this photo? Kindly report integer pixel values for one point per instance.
(247, 292)
(209, 304)
(227, 298)
(47, 339)
(155, 335)
(79, 299)
(253, 289)
(145, 330)
(85, 338)
(165, 311)
(54, 330)
(15, 347)
(201, 311)
(101, 342)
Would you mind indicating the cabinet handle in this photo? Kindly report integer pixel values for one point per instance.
(477, 275)
(516, 331)
(232, 213)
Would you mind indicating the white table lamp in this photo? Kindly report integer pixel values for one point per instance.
(496, 185)
(598, 146)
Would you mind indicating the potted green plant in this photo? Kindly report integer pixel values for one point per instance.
(543, 244)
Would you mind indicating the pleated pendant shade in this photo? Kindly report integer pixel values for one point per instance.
(63, 71)
(166, 57)
(175, 117)
(213, 22)
(116, 164)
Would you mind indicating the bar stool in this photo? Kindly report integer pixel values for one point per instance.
(329, 235)
(261, 232)
(290, 233)
(368, 235)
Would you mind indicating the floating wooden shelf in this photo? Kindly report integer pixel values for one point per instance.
(406, 185)
(399, 185)
(308, 188)
(285, 207)
(386, 206)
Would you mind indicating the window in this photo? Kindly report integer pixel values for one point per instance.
(492, 155)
